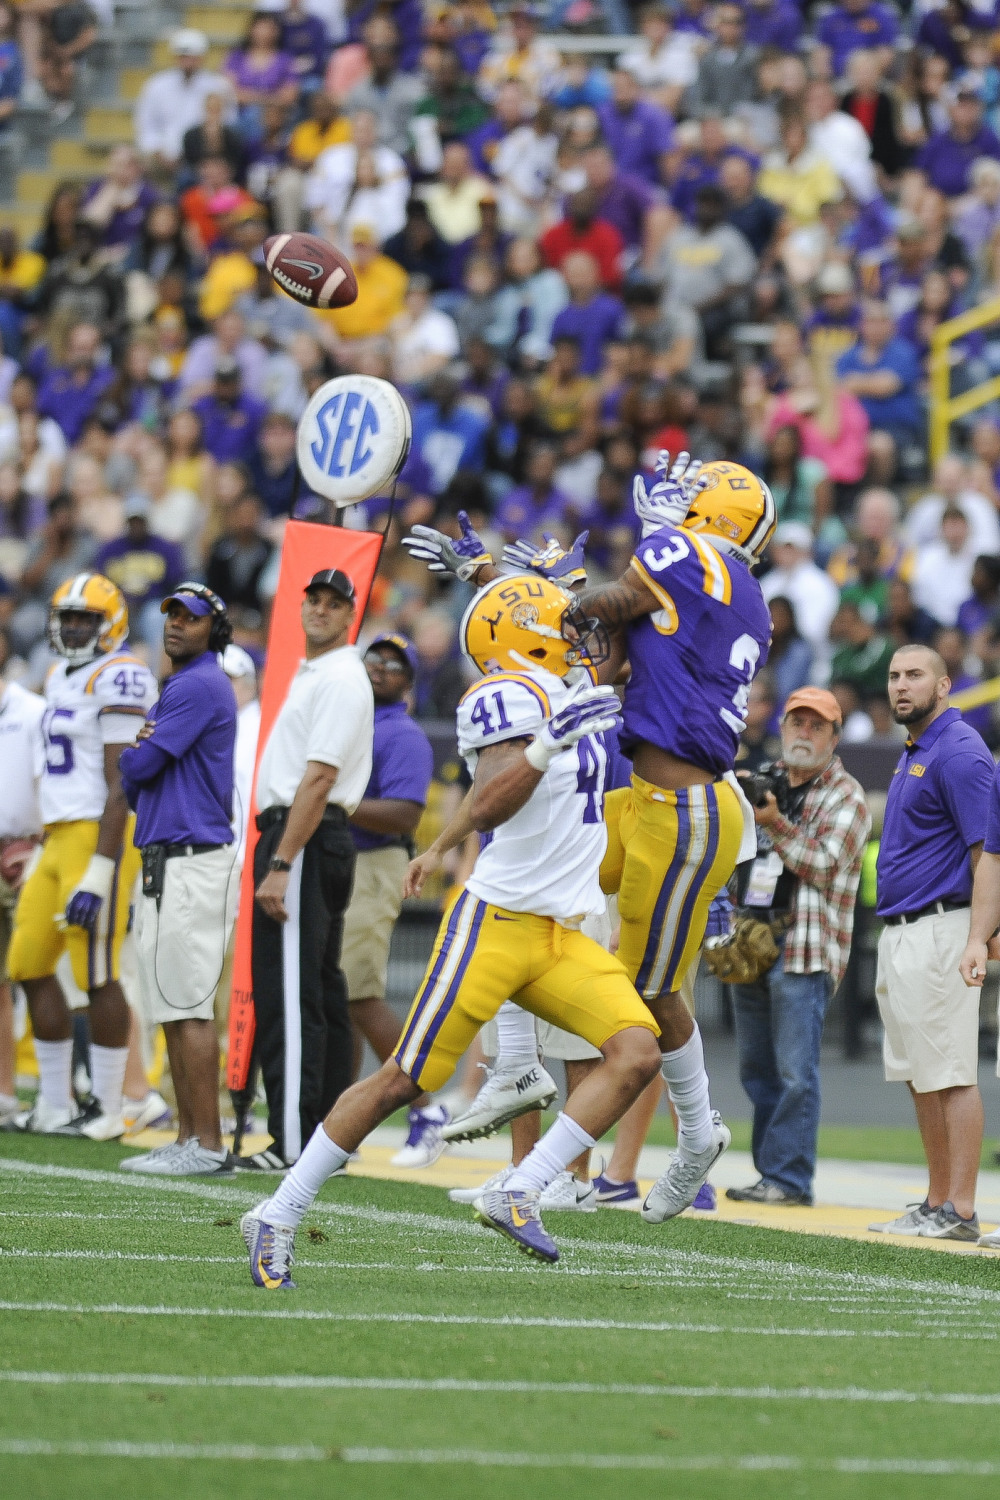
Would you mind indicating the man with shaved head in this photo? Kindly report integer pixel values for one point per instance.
(932, 839)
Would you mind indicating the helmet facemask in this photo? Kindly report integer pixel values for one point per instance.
(84, 643)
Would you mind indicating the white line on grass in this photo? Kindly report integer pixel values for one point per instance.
(310, 1453)
(322, 1315)
(850, 1393)
(438, 1224)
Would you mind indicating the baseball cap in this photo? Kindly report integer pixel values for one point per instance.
(189, 42)
(796, 534)
(364, 234)
(193, 602)
(332, 578)
(238, 663)
(819, 700)
(399, 643)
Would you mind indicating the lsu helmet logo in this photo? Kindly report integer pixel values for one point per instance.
(526, 621)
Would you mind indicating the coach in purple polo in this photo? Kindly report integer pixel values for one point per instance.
(932, 840)
(382, 826)
(179, 780)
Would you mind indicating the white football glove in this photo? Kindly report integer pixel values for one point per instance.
(462, 555)
(670, 499)
(587, 710)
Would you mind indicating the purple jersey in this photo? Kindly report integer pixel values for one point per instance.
(693, 660)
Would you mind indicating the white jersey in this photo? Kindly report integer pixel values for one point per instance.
(545, 859)
(103, 702)
(21, 758)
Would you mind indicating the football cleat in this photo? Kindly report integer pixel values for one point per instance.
(503, 1097)
(187, 1159)
(44, 1119)
(706, 1200)
(679, 1185)
(469, 1195)
(103, 1127)
(611, 1194)
(514, 1213)
(423, 1142)
(568, 1193)
(272, 1251)
(261, 1161)
(149, 1113)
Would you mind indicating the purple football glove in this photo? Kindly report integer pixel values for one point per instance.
(587, 710)
(83, 910)
(672, 496)
(720, 916)
(551, 561)
(445, 554)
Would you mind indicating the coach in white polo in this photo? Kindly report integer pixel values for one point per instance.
(313, 773)
(21, 754)
(932, 839)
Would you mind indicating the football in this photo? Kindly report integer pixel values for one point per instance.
(311, 270)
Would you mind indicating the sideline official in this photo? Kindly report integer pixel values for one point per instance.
(179, 780)
(313, 773)
(935, 823)
(382, 826)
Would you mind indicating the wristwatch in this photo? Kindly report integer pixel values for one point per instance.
(283, 865)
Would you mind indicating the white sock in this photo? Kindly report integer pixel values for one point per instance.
(107, 1069)
(687, 1084)
(294, 1197)
(516, 1044)
(55, 1071)
(561, 1144)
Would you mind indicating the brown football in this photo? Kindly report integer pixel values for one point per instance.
(311, 270)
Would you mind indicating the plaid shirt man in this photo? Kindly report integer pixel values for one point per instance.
(824, 848)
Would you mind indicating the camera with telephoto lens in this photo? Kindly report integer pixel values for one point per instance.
(770, 777)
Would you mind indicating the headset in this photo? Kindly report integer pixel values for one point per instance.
(222, 626)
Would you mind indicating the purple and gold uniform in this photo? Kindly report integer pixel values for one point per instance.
(692, 660)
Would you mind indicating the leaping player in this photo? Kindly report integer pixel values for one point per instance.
(691, 620)
(77, 895)
(530, 732)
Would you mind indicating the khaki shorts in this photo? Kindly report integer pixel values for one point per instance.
(931, 1017)
(370, 919)
(181, 944)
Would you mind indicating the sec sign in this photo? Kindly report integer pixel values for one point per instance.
(353, 438)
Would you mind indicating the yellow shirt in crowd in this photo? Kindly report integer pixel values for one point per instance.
(381, 288)
(308, 139)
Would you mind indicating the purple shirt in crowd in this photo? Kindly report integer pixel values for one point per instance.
(402, 763)
(776, 24)
(69, 404)
(593, 323)
(230, 432)
(638, 137)
(180, 781)
(947, 161)
(520, 514)
(627, 200)
(936, 810)
(279, 72)
(125, 225)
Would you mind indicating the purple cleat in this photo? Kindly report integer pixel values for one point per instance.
(272, 1251)
(616, 1194)
(515, 1214)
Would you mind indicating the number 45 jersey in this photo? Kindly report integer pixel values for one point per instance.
(545, 859)
(694, 658)
(103, 702)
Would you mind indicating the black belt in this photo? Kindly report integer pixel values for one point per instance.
(272, 816)
(935, 909)
(177, 851)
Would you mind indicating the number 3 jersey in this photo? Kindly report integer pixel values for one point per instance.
(545, 859)
(693, 659)
(103, 702)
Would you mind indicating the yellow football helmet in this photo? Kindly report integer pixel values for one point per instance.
(735, 508)
(93, 594)
(517, 623)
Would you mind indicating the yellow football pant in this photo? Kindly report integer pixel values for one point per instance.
(39, 939)
(668, 855)
(484, 955)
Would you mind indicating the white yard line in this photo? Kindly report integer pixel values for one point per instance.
(480, 1458)
(848, 1393)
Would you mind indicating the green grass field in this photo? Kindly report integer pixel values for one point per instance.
(421, 1355)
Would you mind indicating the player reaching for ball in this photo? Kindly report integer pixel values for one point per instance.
(691, 621)
(530, 731)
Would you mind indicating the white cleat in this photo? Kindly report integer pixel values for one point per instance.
(469, 1195)
(679, 1185)
(104, 1127)
(501, 1099)
(423, 1142)
(148, 1161)
(45, 1119)
(567, 1192)
(141, 1114)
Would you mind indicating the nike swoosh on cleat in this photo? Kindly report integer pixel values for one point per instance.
(271, 1282)
(518, 1219)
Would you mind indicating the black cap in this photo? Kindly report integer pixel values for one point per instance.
(332, 578)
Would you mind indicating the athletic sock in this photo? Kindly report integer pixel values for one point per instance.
(561, 1144)
(294, 1197)
(687, 1084)
(516, 1044)
(55, 1072)
(107, 1069)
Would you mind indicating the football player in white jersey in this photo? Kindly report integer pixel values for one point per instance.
(532, 739)
(77, 894)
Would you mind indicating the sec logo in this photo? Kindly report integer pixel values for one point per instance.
(353, 438)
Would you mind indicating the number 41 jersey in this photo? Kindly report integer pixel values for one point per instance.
(103, 702)
(545, 859)
(694, 658)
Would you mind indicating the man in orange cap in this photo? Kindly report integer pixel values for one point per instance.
(812, 827)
